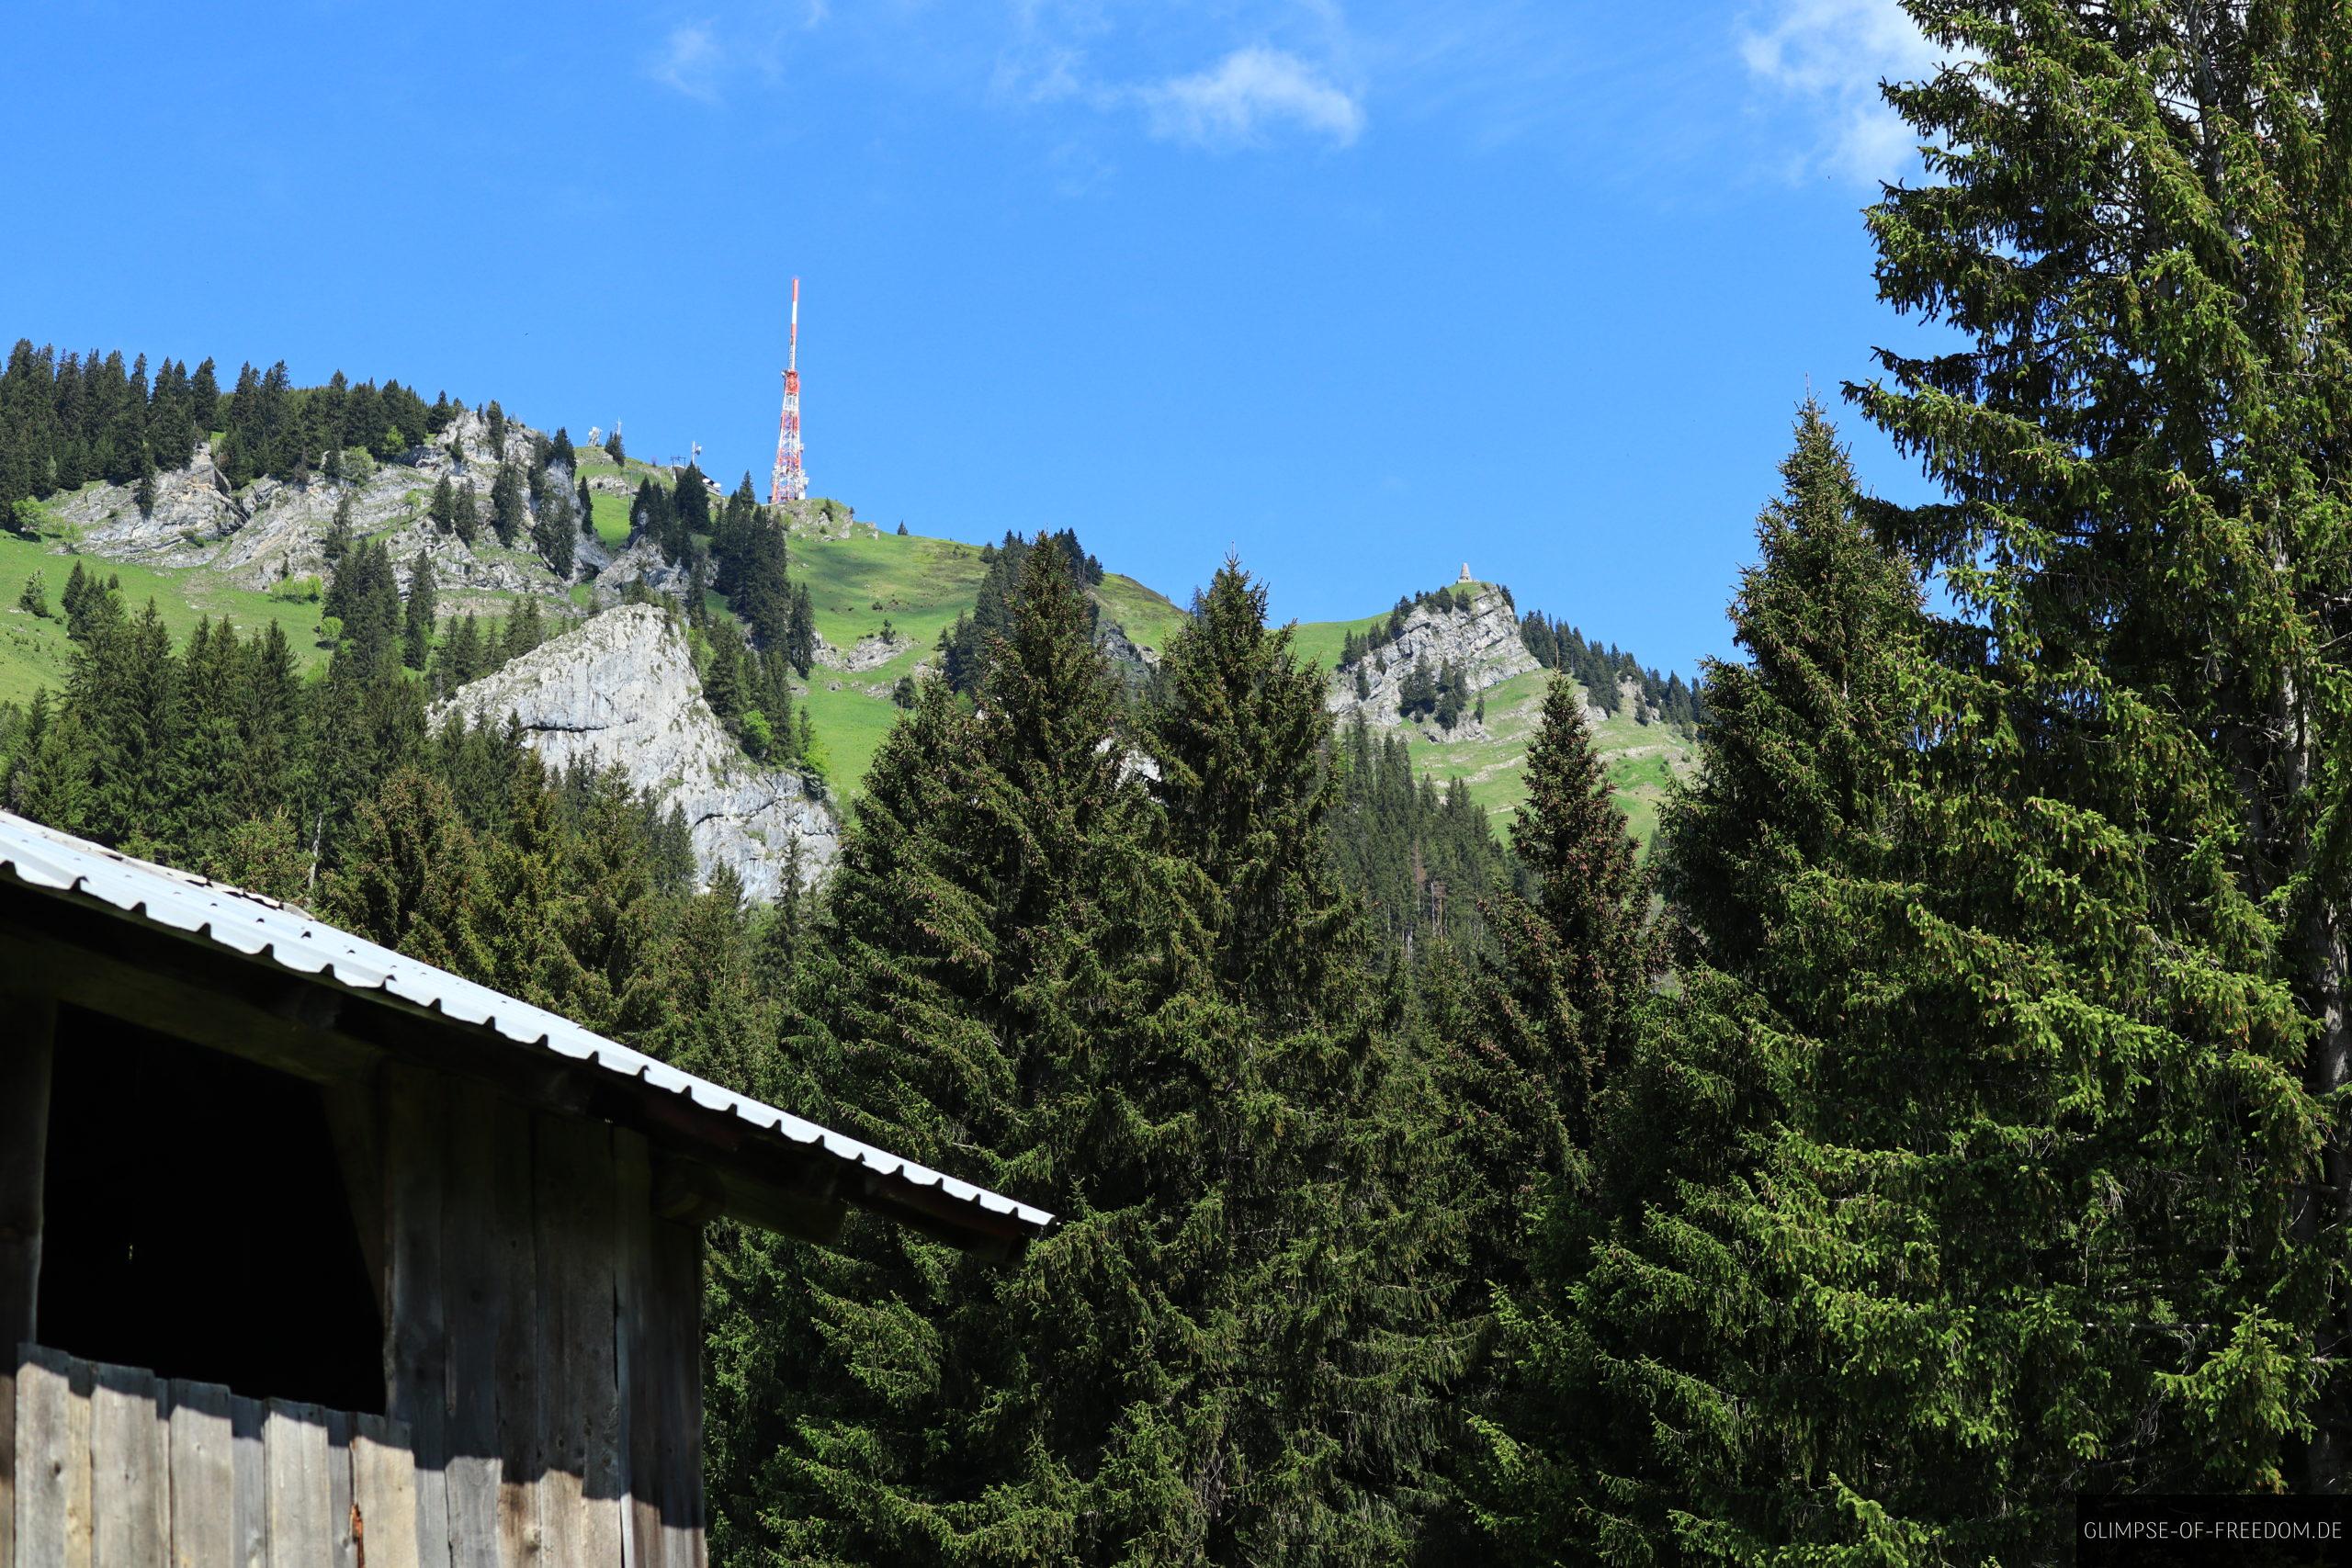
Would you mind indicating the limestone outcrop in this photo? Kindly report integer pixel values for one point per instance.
(821, 517)
(640, 562)
(871, 652)
(621, 690)
(275, 528)
(1478, 640)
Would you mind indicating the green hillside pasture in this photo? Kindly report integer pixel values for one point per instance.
(611, 515)
(851, 725)
(34, 653)
(1149, 618)
(1641, 758)
(1319, 641)
(920, 585)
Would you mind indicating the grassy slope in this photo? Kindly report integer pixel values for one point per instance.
(918, 585)
(34, 652)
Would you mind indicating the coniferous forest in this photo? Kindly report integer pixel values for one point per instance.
(1944, 1117)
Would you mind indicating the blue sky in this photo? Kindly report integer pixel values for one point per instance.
(1358, 288)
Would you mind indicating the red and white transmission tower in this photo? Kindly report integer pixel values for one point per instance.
(789, 482)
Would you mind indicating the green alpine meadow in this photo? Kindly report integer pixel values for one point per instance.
(1871, 1092)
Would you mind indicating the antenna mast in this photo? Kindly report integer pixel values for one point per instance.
(788, 482)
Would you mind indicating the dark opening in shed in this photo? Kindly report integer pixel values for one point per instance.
(198, 1223)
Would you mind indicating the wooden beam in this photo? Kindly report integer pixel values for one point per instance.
(416, 1372)
(29, 1023)
(231, 1019)
(354, 1112)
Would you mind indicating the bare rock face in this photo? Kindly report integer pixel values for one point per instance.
(274, 529)
(1481, 642)
(193, 511)
(870, 653)
(1134, 661)
(640, 562)
(621, 692)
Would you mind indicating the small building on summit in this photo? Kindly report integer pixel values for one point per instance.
(311, 1252)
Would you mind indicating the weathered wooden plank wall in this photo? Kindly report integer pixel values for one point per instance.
(28, 1021)
(383, 1492)
(580, 1499)
(676, 1333)
(131, 1478)
(204, 1476)
(547, 1349)
(249, 1508)
(132, 1471)
(342, 1525)
(470, 1280)
(514, 1333)
(54, 1462)
(296, 1442)
(416, 1342)
(542, 1371)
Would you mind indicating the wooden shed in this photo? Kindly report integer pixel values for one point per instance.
(311, 1253)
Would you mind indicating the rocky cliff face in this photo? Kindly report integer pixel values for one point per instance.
(1481, 642)
(621, 690)
(273, 529)
(640, 562)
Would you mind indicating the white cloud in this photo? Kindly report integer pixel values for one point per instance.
(689, 62)
(1830, 55)
(1251, 90)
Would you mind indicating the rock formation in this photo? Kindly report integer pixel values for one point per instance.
(621, 690)
(821, 517)
(1480, 641)
(871, 652)
(274, 529)
(641, 562)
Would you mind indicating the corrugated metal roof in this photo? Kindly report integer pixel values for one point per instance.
(253, 926)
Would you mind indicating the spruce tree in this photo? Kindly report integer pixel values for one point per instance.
(1005, 983)
(200, 808)
(2133, 218)
(417, 617)
(339, 536)
(507, 516)
(1329, 1334)
(1556, 1001)
(554, 533)
(1896, 1222)
(127, 691)
(414, 877)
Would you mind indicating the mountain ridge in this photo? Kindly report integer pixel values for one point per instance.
(1455, 669)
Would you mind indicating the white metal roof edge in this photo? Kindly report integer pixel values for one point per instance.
(255, 926)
